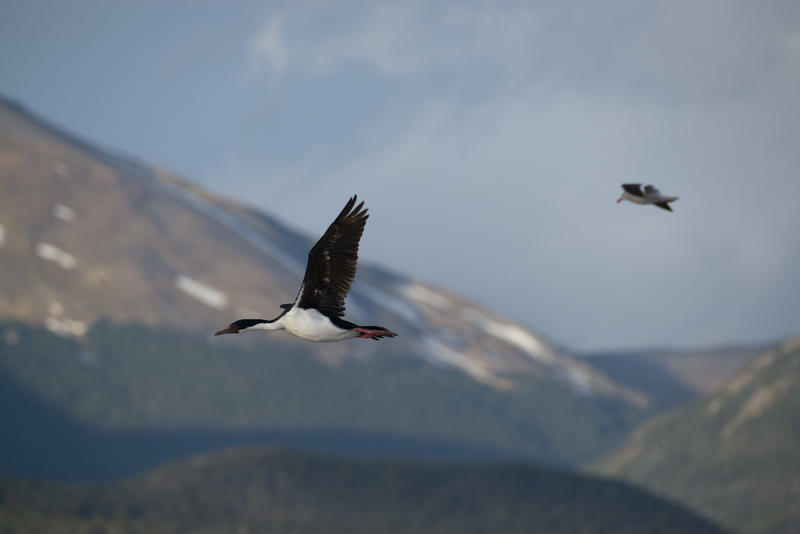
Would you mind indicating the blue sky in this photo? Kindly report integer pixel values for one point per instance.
(489, 140)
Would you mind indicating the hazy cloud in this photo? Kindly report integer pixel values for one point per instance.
(267, 53)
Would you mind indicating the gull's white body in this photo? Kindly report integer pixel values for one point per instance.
(633, 198)
(650, 195)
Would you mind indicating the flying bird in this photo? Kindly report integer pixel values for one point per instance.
(317, 311)
(651, 195)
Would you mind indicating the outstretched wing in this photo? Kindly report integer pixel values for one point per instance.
(332, 262)
(633, 189)
(662, 205)
(651, 191)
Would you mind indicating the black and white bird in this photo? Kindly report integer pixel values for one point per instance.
(316, 313)
(650, 195)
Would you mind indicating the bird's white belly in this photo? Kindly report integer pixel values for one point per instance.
(314, 326)
(635, 199)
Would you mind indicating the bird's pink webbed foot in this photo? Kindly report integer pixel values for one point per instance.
(373, 333)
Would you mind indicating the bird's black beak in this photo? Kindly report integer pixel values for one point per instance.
(227, 330)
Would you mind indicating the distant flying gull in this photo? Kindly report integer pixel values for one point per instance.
(651, 195)
(316, 313)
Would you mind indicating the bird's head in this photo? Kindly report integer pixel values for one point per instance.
(241, 325)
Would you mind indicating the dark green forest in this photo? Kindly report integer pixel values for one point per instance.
(269, 490)
(128, 384)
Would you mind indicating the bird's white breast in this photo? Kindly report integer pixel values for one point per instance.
(634, 198)
(314, 326)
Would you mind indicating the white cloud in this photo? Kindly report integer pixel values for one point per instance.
(407, 38)
(384, 39)
(267, 53)
(664, 50)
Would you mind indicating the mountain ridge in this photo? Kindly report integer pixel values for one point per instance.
(671, 376)
(731, 454)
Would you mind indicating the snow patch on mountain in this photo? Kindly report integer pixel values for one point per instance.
(482, 362)
(211, 297)
(386, 300)
(59, 324)
(65, 327)
(514, 336)
(52, 253)
(577, 378)
(56, 308)
(422, 295)
(442, 355)
(509, 333)
(63, 213)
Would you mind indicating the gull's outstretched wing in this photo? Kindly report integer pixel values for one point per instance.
(662, 205)
(633, 189)
(652, 194)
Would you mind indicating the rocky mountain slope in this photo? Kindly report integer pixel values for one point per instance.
(111, 256)
(281, 491)
(670, 377)
(733, 454)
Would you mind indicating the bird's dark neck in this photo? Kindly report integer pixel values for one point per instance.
(260, 324)
(250, 323)
(286, 308)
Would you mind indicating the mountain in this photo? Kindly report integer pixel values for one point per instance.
(669, 376)
(731, 455)
(115, 274)
(254, 490)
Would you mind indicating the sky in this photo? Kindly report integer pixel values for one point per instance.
(489, 140)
